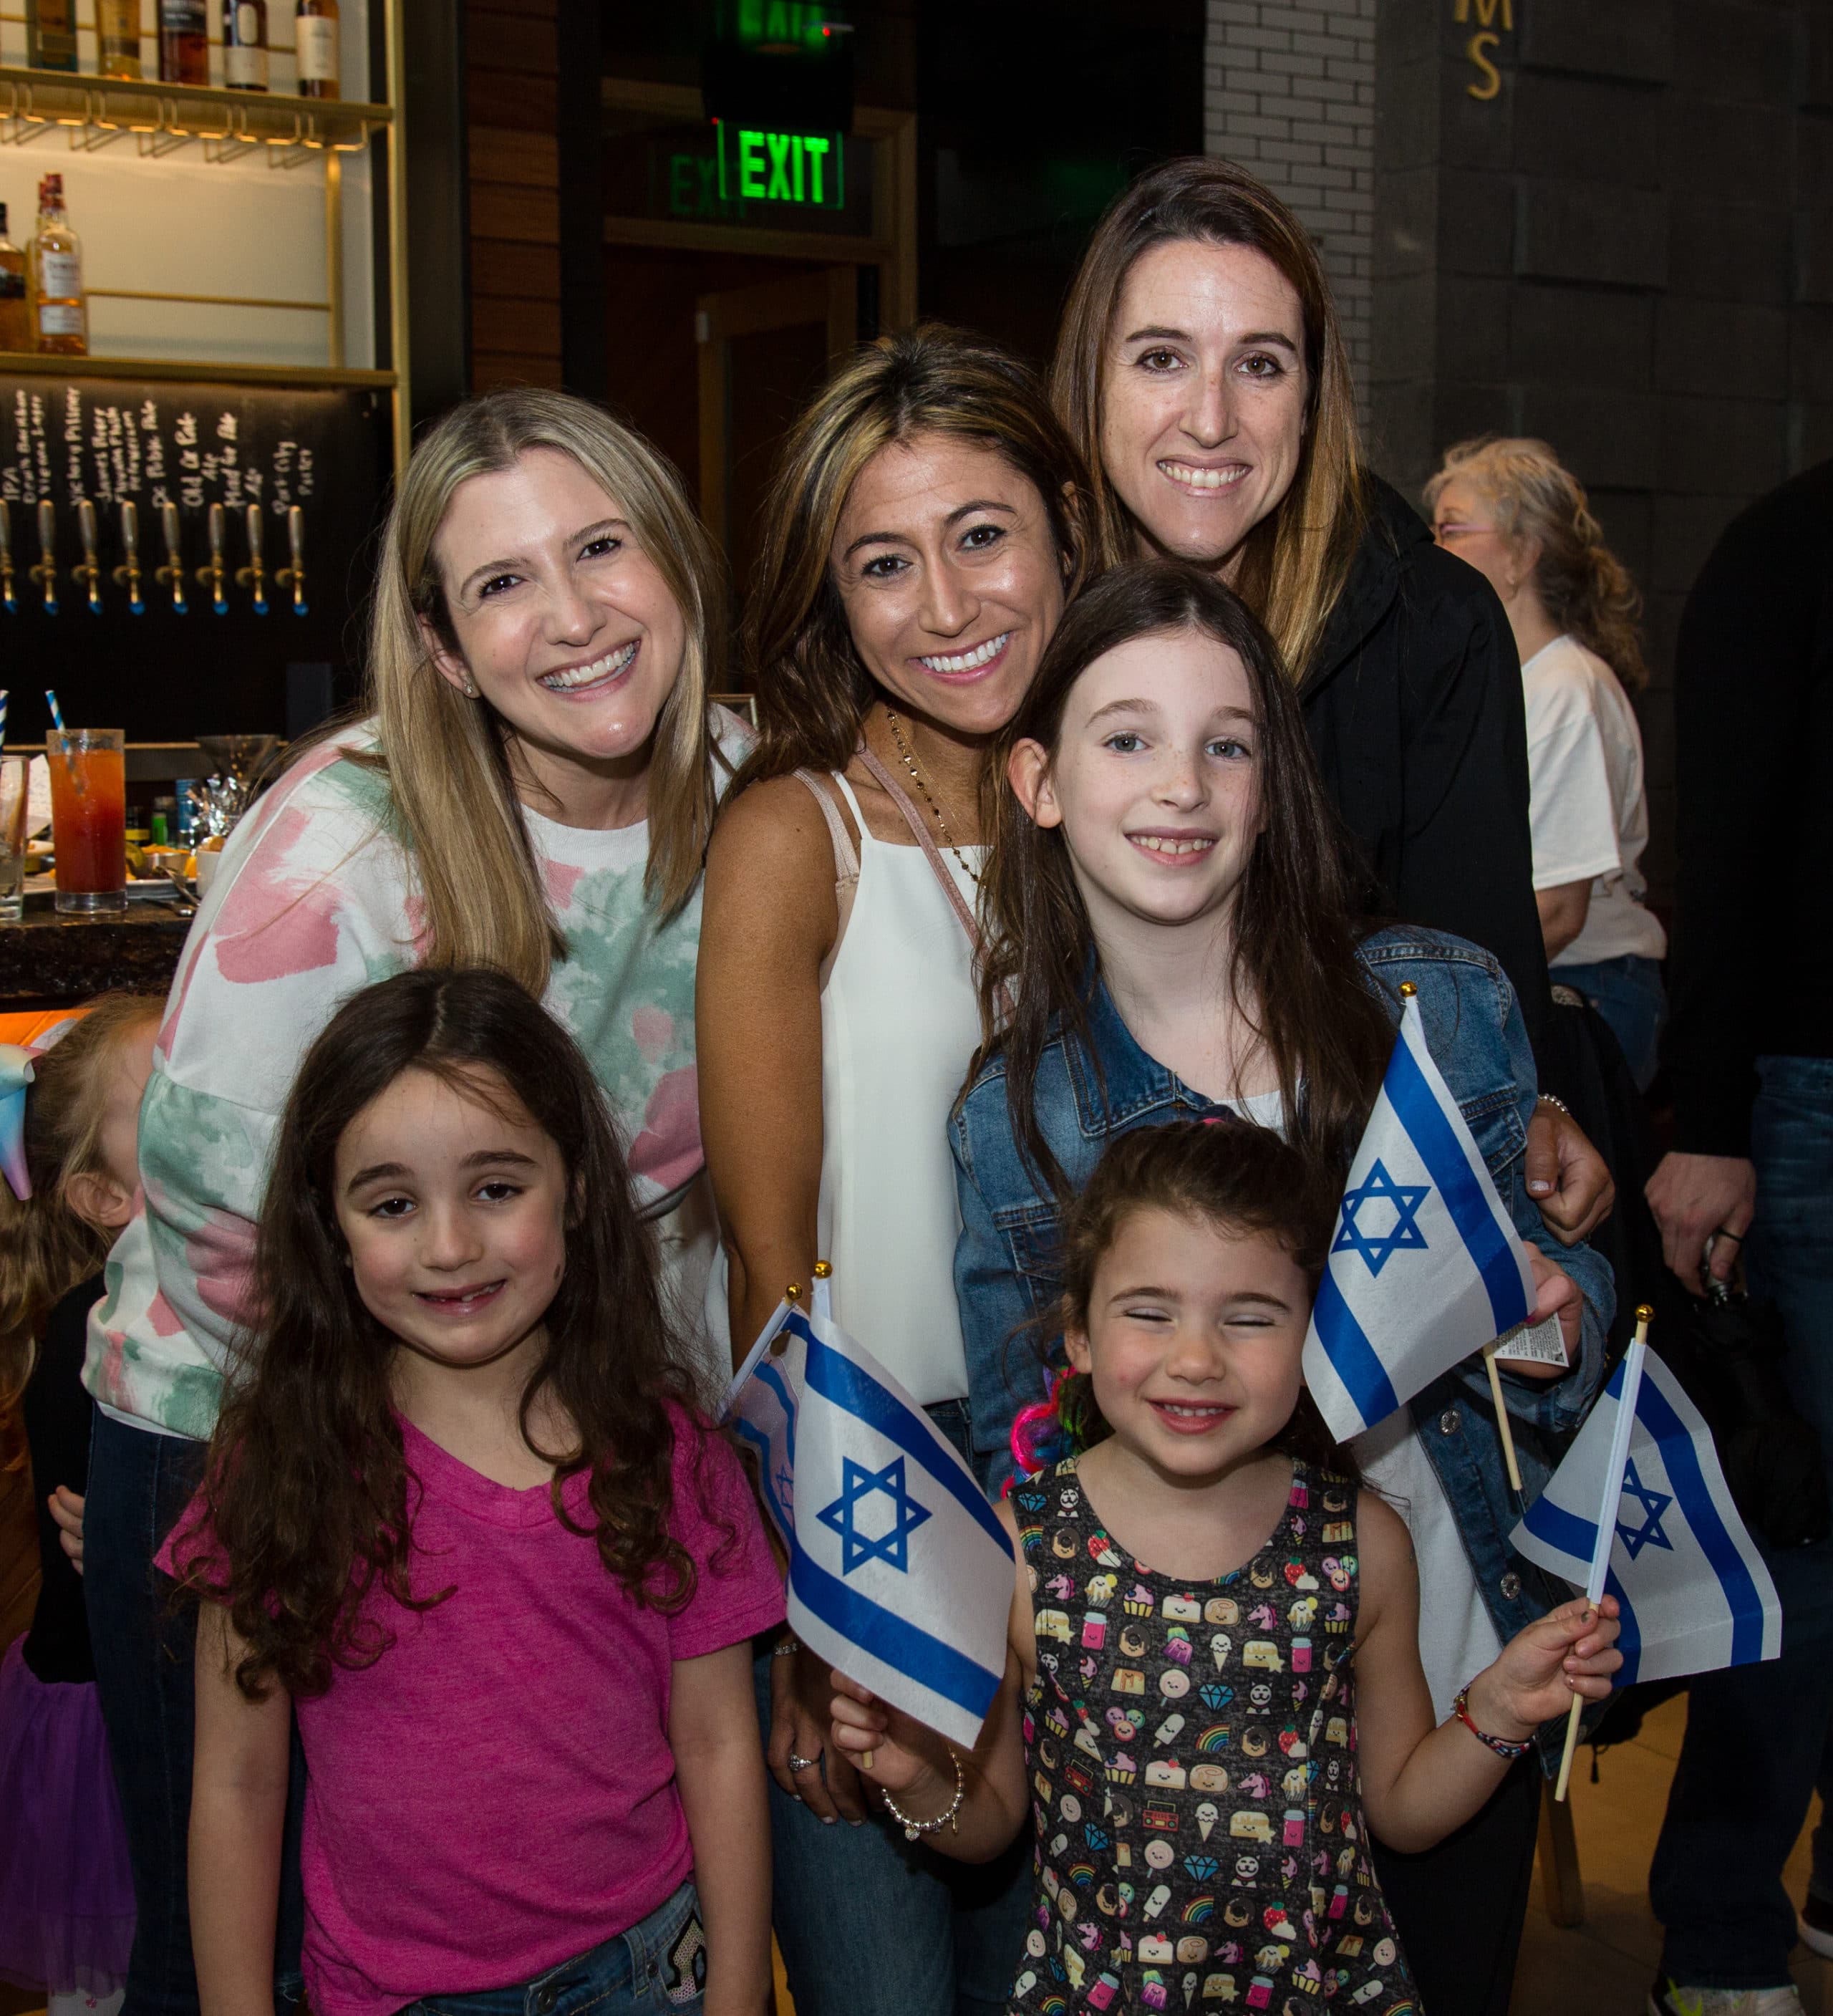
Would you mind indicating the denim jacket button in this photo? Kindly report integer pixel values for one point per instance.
(1511, 1585)
(1448, 1422)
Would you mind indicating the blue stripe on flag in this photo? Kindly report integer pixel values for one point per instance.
(893, 1639)
(1682, 1462)
(1564, 1530)
(760, 1442)
(848, 1385)
(1352, 1358)
(767, 1374)
(1443, 1153)
(1629, 1637)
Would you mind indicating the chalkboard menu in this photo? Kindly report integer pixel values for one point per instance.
(218, 664)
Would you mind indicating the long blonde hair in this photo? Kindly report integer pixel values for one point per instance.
(1296, 560)
(446, 754)
(813, 690)
(1585, 588)
(46, 1246)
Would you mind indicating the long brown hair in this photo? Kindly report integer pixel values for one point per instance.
(307, 1487)
(447, 754)
(1236, 1177)
(1297, 559)
(46, 1245)
(813, 690)
(1295, 943)
(1585, 588)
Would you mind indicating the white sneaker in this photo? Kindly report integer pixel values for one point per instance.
(1670, 1998)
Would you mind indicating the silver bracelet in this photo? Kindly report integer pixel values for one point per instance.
(1558, 1105)
(915, 1830)
(785, 1648)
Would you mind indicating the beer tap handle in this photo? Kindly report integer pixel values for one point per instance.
(44, 573)
(255, 574)
(88, 570)
(173, 570)
(127, 575)
(9, 593)
(294, 576)
(216, 572)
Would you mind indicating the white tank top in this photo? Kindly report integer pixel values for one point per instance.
(899, 1026)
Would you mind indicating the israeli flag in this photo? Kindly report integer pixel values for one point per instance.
(1425, 1267)
(1639, 1510)
(899, 1573)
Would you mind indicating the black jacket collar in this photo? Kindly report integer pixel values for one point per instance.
(1393, 527)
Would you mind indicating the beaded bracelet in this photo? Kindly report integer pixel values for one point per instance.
(915, 1830)
(785, 1648)
(1557, 1105)
(1501, 1744)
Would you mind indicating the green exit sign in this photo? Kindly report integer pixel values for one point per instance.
(758, 166)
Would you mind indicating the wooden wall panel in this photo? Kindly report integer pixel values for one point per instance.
(512, 88)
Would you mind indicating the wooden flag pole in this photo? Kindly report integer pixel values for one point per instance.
(1502, 1425)
(1620, 1449)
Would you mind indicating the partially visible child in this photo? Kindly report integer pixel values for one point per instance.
(1205, 1742)
(459, 1511)
(67, 1895)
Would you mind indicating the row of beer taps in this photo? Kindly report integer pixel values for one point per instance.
(217, 575)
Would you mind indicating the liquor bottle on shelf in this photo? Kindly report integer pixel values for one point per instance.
(54, 273)
(16, 320)
(314, 34)
(245, 44)
(117, 31)
(183, 41)
(50, 34)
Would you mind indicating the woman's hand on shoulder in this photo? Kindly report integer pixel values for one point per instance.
(1571, 1651)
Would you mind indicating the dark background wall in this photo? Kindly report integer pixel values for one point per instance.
(1628, 249)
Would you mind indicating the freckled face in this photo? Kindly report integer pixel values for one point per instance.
(1203, 396)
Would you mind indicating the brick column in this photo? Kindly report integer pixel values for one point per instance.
(1289, 92)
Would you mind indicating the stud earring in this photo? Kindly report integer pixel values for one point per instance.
(470, 690)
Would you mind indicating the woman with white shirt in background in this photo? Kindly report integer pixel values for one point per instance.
(1512, 510)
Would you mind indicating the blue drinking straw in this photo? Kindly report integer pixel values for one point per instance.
(78, 783)
(3, 696)
(57, 711)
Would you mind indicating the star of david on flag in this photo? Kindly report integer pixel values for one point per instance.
(901, 1574)
(1639, 1510)
(1425, 1267)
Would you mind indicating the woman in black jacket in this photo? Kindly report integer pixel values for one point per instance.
(1201, 369)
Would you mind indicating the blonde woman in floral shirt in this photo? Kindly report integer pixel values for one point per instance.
(532, 789)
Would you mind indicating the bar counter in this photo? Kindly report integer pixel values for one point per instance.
(48, 959)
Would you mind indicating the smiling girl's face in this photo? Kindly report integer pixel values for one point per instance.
(1203, 397)
(1155, 781)
(563, 623)
(948, 571)
(452, 1203)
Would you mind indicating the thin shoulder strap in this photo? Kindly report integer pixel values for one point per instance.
(913, 818)
(846, 859)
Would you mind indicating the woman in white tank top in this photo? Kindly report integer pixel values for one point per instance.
(921, 538)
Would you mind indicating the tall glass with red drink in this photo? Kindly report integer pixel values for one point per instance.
(89, 819)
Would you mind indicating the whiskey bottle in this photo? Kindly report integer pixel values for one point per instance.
(183, 41)
(54, 278)
(117, 31)
(15, 321)
(50, 34)
(245, 44)
(314, 33)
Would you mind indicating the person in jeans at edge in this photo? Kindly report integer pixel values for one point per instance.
(1750, 1055)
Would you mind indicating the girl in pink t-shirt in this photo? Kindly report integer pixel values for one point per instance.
(461, 1516)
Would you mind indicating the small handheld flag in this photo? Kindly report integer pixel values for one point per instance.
(900, 1575)
(1425, 1267)
(1639, 1510)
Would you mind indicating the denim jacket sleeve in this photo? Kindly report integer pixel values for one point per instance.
(1474, 1031)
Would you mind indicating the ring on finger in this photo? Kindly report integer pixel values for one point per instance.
(801, 1763)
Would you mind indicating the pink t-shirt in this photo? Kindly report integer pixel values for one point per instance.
(497, 1794)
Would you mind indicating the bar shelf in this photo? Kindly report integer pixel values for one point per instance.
(26, 363)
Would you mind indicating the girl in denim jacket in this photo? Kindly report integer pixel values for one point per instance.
(1169, 912)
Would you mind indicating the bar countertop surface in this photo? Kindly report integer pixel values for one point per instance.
(48, 959)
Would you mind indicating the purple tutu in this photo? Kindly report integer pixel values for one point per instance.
(66, 1893)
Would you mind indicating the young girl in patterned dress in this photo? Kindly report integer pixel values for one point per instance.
(1205, 1742)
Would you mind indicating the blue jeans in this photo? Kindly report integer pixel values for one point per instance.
(659, 1964)
(1757, 1737)
(1627, 992)
(144, 1648)
(871, 1924)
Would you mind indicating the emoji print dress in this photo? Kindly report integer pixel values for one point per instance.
(1190, 1749)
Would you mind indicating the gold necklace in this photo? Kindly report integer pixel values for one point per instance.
(921, 784)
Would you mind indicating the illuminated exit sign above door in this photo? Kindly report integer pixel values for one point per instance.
(756, 165)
